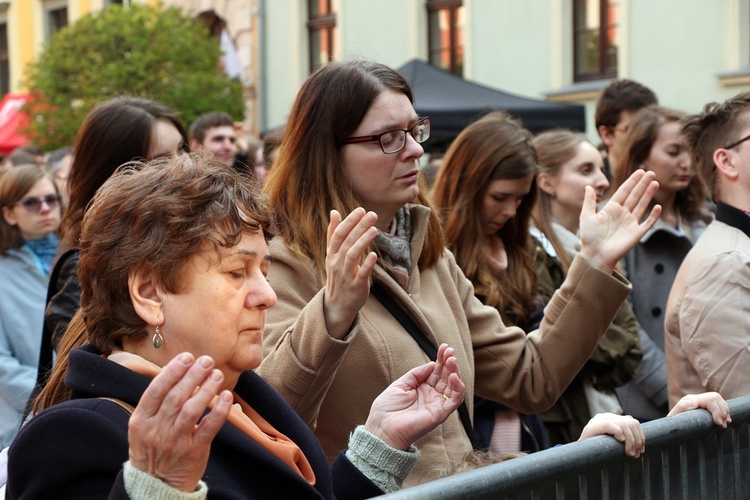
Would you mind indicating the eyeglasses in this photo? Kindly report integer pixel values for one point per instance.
(735, 144)
(33, 204)
(623, 129)
(393, 141)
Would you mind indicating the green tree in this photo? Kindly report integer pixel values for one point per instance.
(136, 50)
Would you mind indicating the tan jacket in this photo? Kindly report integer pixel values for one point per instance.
(332, 383)
(707, 324)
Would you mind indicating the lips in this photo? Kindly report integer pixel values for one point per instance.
(410, 175)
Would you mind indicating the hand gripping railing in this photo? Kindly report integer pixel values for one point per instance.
(687, 456)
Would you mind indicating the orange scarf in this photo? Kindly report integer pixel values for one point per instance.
(242, 416)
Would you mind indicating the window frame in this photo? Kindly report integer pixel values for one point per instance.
(434, 7)
(4, 59)
(50, 8)
(605, 25)
(322, 24)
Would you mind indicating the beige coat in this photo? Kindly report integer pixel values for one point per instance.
(332, 383)
(707, 324)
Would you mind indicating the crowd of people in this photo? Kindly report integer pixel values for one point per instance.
(226, 322)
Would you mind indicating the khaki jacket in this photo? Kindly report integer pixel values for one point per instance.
(332, 383)
(707, 323)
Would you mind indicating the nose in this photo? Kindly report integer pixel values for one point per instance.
(511, 208)
(412, 148)
(261, 295)
(601, 181)
(684, 160)
(44, 206)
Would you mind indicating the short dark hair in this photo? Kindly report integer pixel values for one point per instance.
(155, 217)
(18, 158)
(714, 128)
(206, 122)
(622, 95)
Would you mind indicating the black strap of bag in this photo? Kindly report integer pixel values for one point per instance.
(418, 335)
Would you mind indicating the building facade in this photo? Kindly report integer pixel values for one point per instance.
(25, 25)
(689, 52)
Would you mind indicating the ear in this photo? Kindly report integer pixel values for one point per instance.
(10, 216)
(606, 134)
(195, 145)
(546, 183)
(724, 160)
(146, 297)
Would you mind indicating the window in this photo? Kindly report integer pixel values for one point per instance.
(4, 61)
(445, 29)
(322, 29)
(595, 39)
(56, 17)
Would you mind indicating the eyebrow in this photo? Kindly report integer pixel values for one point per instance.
(250, 253)
(394, 125)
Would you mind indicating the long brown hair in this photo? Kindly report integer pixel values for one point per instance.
(307, 180)
(691, 201)
(115, 132)
(554, 148)
(494, 147)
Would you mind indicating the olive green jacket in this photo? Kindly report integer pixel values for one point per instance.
(612, 364)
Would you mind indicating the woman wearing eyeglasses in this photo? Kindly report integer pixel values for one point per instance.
(353, 211)
(654, 144)
(31, 214)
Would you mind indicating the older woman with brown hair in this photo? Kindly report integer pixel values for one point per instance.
(173, 265)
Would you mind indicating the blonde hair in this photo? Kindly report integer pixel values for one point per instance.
(554, 148)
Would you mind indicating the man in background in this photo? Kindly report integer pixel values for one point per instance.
(617, 104)
(707, 336)
(214, 132)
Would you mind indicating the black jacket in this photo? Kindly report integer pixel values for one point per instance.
(76, 449)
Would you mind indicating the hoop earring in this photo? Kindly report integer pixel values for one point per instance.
(158, 340)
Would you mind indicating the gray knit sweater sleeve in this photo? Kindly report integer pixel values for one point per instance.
(386, 467)
(144, 486)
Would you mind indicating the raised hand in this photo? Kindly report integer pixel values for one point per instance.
(623, 428)
(417, 402)
(347, 274)
(608, 235)
(164, 436)
(711, 401)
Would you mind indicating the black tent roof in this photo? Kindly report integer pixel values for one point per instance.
(453, 103)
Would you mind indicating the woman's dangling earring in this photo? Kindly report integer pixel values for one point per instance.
(157, 340)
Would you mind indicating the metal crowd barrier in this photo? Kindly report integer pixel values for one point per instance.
(687, 457)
